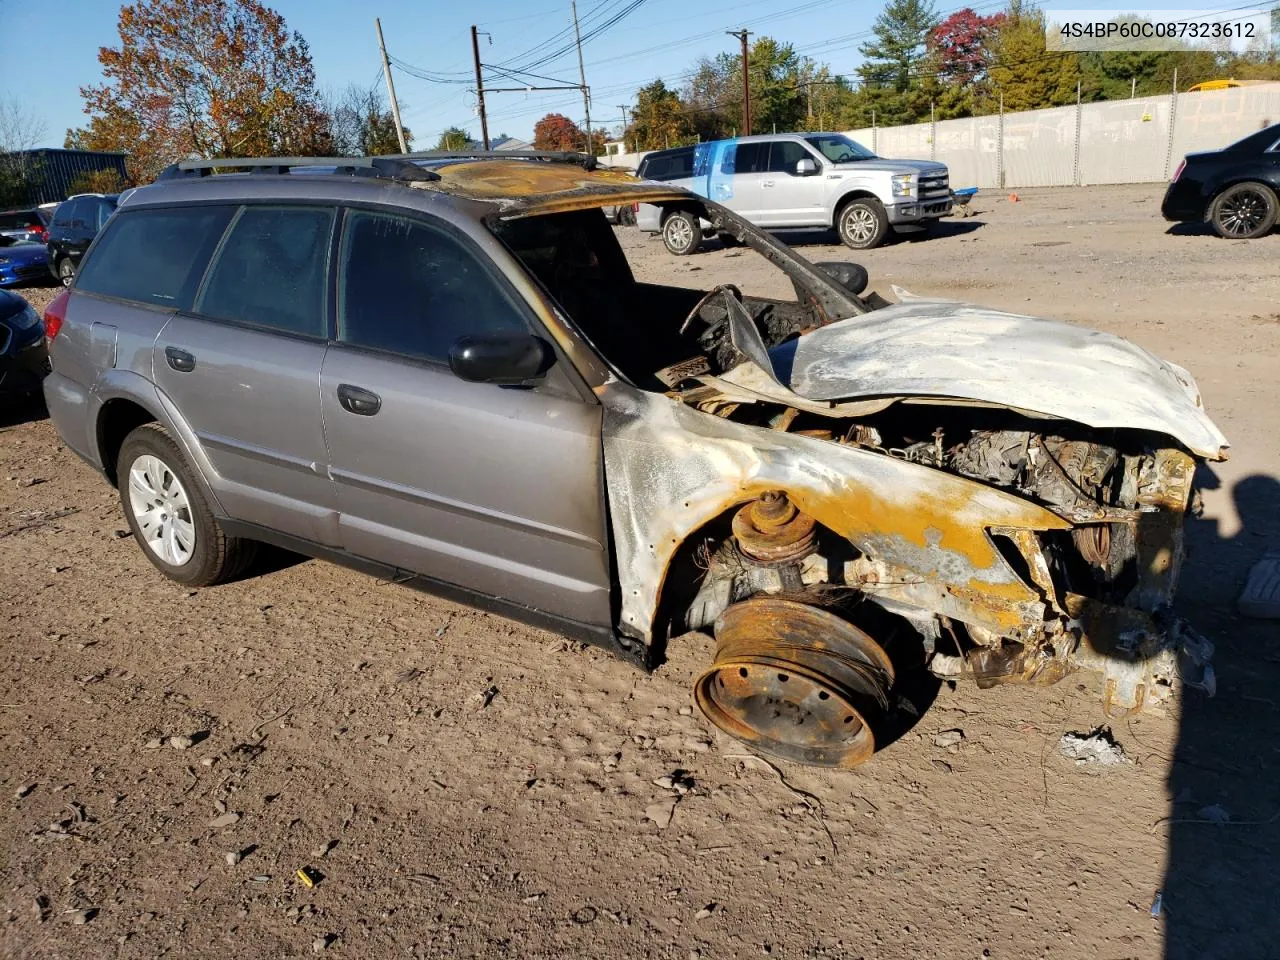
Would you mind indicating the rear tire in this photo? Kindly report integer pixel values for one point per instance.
(862, 223)
(682, 233)
(168, 514)
(66, 271)
(1245, 211)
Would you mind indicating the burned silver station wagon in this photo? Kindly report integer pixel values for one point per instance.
(442, 369)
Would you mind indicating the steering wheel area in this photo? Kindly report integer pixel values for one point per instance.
(724, 290)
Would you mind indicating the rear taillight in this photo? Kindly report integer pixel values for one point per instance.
(44, 236)
(1178, 173)
(55, 313)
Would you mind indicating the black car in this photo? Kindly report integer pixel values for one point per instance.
(23, 358)
(1235, 189)
(75, 223)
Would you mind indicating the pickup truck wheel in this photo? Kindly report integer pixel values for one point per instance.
(168, 514)
(862, 223)
(681, 233)
(1245, 211)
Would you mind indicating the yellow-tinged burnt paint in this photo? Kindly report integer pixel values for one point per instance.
(541, 187)
(672, 469)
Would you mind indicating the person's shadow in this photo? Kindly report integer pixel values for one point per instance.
(1220, 897)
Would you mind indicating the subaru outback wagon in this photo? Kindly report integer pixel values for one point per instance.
(444, 371)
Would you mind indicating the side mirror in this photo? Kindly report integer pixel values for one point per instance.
(503, 358)
(852, 276)
(806, 167)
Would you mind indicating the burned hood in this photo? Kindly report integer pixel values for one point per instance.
(946, 350)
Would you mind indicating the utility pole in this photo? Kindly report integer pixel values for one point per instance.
(582, 75)
(623, 107)
(746, 80)
(391, 87)
(484, 119)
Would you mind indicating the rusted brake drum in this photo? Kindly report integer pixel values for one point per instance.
(796, 682)
(771, 530)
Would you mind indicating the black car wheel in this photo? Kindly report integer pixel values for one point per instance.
(66, 271)
(1244, 212)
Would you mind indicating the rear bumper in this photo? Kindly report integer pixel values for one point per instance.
(68, 405)
(1183, 201)
(915, 210)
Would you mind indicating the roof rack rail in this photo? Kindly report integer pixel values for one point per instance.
(583, 160)
(386, 168)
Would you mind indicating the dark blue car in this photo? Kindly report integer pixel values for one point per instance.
(22, 261)
(24, 361)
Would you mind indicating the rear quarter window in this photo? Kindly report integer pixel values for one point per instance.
(671, 166)
(154, 256)
(19, 220)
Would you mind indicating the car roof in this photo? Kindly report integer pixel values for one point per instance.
(501, 187)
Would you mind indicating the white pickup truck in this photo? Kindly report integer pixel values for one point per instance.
(795, 181)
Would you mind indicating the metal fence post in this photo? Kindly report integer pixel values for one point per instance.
(933, 133)
(1000, 144)
(1075, 160)
(873, 131)
(1173, 119)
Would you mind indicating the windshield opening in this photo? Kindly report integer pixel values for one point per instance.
(838, 148)
(656, 334)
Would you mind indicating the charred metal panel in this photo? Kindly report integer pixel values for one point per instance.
(670, 469)
(944, 349)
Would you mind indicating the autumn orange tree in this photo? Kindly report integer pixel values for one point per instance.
(203, 78)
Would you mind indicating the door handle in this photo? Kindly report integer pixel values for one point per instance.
(766, 183)
(179, 360)
(359, 401)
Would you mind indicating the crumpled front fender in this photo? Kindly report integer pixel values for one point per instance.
(670, 469)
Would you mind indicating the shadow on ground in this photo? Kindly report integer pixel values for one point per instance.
(1219, 895)
(940, 230)
(16, 410)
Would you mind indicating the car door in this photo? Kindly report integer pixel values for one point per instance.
(243, 368)
(789, 199)
(496, 489)
(736, 177)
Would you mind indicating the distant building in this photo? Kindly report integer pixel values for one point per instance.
(50, 172)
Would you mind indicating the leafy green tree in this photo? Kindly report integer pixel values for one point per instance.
(362, 125)
(454, 138)
(901, 33)
(1029, 77)
(778, 75)
(658, 119)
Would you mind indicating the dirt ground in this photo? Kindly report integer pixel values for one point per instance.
(457, 785)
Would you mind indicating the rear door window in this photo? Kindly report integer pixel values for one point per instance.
(271, 270)
(412, 289)
(154, 256)
(745, 158)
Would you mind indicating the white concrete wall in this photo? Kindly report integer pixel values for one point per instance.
(1119, 141)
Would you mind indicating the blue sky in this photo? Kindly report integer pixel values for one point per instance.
(661, 38)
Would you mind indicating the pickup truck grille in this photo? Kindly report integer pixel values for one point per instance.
(936, 186)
